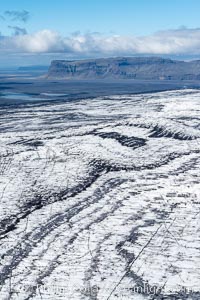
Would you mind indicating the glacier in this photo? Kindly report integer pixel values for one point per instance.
(100, 198)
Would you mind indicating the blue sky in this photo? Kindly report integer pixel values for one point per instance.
(129, 20)
(137, 17)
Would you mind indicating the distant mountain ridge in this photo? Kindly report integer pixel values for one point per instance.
(33, 68)
(143, 68)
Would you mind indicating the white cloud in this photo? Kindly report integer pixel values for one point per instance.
(42, 41)
(180, 41)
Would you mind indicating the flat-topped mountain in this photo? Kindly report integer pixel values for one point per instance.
(146, 68)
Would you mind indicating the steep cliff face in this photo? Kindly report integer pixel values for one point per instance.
(154, 68)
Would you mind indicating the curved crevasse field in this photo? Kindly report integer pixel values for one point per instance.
(100, 199)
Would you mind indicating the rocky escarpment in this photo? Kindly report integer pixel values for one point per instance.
(147, 68)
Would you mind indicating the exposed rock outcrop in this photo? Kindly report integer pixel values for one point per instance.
(144, 68)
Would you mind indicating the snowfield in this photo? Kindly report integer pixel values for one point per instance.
(100, 198)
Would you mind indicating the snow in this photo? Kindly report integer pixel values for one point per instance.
(85, 216)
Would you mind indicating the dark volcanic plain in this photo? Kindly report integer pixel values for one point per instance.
(36, 87)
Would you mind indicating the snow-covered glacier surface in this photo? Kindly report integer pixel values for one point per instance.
(100, 198)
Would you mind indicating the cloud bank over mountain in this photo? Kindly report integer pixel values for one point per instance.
(175, 42)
